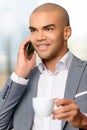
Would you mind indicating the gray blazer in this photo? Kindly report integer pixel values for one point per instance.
(16, 100)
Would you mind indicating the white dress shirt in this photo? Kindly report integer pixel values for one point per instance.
(51, 85)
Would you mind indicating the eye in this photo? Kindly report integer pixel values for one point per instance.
(32, 30)
(49, 29)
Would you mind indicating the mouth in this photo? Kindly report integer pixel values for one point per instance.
(43, 47)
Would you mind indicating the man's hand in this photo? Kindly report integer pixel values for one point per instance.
(68, 110)
(24, 65)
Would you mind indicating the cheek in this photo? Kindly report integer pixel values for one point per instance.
(59, 40)
(58, 44)
(56, 37)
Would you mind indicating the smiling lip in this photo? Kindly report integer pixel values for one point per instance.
(43, 47)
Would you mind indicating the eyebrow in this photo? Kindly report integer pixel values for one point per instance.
(49, 25)
(31, 27)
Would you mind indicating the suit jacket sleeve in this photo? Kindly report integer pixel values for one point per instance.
(9, 98)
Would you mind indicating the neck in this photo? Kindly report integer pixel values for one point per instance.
(50, 64)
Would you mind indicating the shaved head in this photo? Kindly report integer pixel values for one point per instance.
(48, 7)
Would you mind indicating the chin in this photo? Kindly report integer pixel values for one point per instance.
(45, 56)
(42, 56)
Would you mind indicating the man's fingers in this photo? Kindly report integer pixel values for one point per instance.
(63, 102)
(24, 43)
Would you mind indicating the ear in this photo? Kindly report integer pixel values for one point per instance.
(67, 32)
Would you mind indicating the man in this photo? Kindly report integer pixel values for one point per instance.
(60, 75)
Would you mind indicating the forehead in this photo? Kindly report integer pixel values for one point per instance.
(42, 18)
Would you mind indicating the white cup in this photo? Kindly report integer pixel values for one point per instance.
(43, 107)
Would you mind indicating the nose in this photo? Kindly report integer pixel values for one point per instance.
(41, 36)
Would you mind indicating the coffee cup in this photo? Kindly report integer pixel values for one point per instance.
(43, 107)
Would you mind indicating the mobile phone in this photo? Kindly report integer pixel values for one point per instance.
(29, 49)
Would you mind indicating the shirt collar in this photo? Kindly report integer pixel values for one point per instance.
(64, 62)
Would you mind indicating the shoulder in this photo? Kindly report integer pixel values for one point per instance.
(35, 71)
(76, 59)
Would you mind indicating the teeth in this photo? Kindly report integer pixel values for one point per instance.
(42, 46)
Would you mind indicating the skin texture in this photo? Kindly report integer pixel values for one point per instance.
(50, 30)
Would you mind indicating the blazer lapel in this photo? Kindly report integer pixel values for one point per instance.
(32, 92)
(74, 75)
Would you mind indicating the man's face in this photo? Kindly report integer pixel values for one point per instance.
(47, 34)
